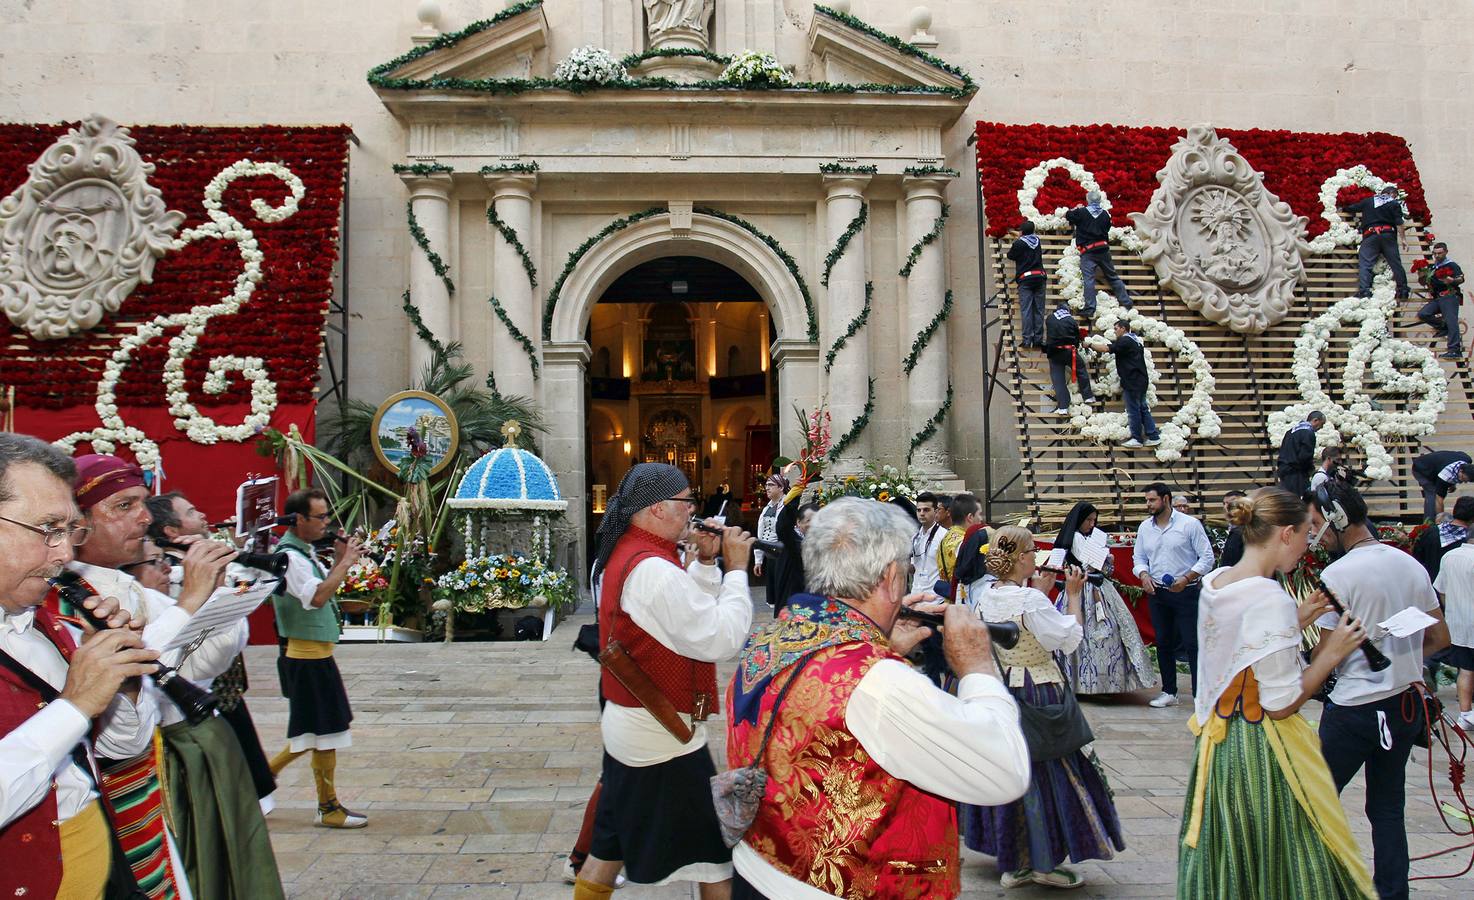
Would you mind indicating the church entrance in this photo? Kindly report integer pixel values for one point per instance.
(679, 373)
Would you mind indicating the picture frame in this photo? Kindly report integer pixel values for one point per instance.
(433, 419)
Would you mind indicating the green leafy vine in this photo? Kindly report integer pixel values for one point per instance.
(381, 71)
(926, 171)
(510, 236)
(517, 335)
(856, 324)
(634, 59)
(924, 337)
(858, 426)
(422, 169)
(835, 168)
(436, 263)
(788, 262)
(857, 223)
(573, 259)
(929, 238)
(931, 426)
(896, 43)
(424, 332)
(526, 168)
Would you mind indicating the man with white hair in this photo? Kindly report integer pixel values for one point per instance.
(1093, 238)
(868, 757)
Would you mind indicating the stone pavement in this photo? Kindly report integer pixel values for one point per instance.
(474, 762)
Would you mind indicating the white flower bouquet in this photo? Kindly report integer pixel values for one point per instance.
(590, 65)
(753, 68)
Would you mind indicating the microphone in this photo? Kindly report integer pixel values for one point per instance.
(759, 543)
(197, 704)
(1376, 659)
(273, 564)
(1004, 634)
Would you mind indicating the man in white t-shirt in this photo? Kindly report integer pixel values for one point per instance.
(925, 543)
(1373, 717)
(1455, 584)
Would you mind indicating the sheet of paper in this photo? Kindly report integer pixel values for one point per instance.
(224, 608)
(1408, 622)
(1055, 559)
(1092, 550)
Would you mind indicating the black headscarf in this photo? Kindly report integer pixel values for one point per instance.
(1078, 514)
(645, 484)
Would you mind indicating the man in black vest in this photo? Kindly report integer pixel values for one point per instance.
(1297, 454)
(1437, 473)
(1131, 369)
(1093, 237)
(1442, 312)
(1381, 221)
(1061, 340)
(1028, 261)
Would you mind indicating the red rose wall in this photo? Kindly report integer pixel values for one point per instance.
(56, 381)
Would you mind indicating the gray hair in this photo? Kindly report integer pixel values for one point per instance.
(849, 544)
(1092, 197)
(19, 449)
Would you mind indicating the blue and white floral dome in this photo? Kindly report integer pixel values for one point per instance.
(509, 478)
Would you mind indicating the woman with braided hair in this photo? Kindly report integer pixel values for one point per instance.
(1067, 812)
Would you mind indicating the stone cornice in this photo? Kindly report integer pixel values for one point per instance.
(857, 48)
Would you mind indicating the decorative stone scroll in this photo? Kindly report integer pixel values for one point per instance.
(1231, 249)
(81, 233)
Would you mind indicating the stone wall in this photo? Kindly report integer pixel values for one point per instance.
(1324, 65)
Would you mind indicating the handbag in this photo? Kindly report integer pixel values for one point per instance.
(1052, 730)
(736, 793)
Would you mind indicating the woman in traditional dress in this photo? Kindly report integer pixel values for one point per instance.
(1261, 817)
(1067, 812)
(1111, 658)
(767, 526)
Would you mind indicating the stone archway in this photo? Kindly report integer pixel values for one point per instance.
(566, 355)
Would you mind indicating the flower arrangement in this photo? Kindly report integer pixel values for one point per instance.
(815, 453)
(365, 583)
(505, 581)
(883, 483)
(751, 67)
(590, 65)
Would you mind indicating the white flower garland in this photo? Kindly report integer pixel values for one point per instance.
(1360, 421)
(754, 67)
(187, 418)
(590, 64)
(1342, 233)
(1197, 413)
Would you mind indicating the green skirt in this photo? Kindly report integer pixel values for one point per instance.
(1256, 840)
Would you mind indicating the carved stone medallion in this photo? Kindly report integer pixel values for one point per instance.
(1231, 249)
(81, 233)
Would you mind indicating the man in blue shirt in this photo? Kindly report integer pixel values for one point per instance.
(1171, 557)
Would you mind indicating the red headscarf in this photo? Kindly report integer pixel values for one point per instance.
(99, 476)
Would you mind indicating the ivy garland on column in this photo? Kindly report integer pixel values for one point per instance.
(510, 236)
(862, 420)
(857, 223)
(578, 253)
(436, 263)
(929, 238)
(931, 426)
(420, 328)
(855, 325)
(925, 336)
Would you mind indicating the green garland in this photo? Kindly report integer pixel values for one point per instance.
(925, 336)
(855, 325)
(859, 424)
(436, 263)
(788, 262)
(929, 171)
(510, 236)
(634, 59)
(834, 168)
(422, 169)
(929, 238)
(931, 426)
(425, 334)
(517, 335)
(896, 43)
(512, 86)
(526, 168)
(446, 40)
(573, 259)
(857, 223)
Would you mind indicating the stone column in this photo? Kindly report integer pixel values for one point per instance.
(849, 375)
(800, 383)
(511, 193)
(926, 287)
(565, 365)
(429, 197)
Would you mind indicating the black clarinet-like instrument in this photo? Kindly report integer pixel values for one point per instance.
(759, 543)
(273, 564)
(1376, 659)
(1004, 634)
(197, 704)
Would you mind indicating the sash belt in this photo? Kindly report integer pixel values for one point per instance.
(1088, 247)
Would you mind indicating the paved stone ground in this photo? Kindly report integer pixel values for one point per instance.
(474, 762)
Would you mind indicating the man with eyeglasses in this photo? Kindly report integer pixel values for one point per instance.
(215, 823)
(670, 625)
(58, 702)
(307, 622)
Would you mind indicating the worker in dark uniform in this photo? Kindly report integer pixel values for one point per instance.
(1028, 261)
(1437, 473)
(1381, 222)
(1061, 345)
(1093, 237)
(1297, 454)
(1442, 312)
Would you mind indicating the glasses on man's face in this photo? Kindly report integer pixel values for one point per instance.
(322, 517)
(158, 561)
(53, 536)
(691, 500)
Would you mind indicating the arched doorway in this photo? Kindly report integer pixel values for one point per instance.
(688, 343)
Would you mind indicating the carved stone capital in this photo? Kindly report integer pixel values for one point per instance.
(510, 185)
(925, 187)
(845, 185)
(435, 186)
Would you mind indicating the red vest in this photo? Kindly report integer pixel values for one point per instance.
(831, 817)
(679, 678)
(30, 846)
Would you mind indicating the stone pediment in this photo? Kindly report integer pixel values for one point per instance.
(846, 50)
(500, 47)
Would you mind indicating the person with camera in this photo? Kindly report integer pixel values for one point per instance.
(663, 628)
(1067, 812)
(1261, 818)
(823, 697)
(1374, 717)
(215, 819)
(307, 625)
(61, 704)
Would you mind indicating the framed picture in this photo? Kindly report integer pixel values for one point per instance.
(411, 418)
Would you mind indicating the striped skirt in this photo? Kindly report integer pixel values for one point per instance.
(137, 800)
(1254, 837)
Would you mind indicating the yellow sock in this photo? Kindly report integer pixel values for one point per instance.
(282, 760)
(324, 762)
(587, 890)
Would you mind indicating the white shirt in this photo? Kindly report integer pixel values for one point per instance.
(1375, 581)
(697, 612)
(968, 748)
(1456, 584)
(1320, 477)
(924, 557)
(302, 581)
(767, 528)
(1181, 547)
(39, 751)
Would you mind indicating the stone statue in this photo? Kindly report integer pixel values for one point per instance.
(671, 23)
